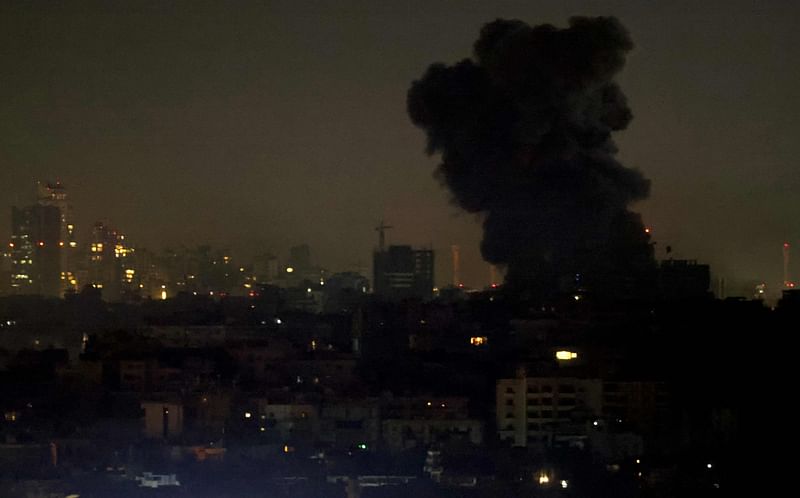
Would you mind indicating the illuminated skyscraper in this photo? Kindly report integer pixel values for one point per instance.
(110, 263)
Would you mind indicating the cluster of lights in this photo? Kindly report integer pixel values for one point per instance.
(478, 340)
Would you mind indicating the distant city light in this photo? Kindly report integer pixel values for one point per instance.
(544, 478)
(247, 414)
(289, 270)
(566, 355)
(478, 340)
(564, 484)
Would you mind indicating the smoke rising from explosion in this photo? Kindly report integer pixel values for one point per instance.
(524, 131)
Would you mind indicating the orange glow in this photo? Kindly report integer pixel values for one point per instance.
(478, 341)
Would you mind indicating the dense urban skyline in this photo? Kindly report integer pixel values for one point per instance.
(275, 124)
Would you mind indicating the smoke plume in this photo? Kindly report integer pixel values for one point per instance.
(524, 132)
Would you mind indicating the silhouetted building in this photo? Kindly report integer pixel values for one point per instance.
(343, 291)
(6, 269)
(266, 268)
(35, 250)
(790, 300)
(300, 258)
(55, 195)
(681, 279)
(401, 272)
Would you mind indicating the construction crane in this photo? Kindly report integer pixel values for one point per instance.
(381, 229)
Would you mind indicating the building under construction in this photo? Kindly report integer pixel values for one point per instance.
(401, 272)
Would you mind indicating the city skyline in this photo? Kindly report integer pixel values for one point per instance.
(293, 130)
(432, 249)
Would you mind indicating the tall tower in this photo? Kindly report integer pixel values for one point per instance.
(55, 195)
(35, 251)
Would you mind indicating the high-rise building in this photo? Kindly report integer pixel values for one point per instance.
(400, 272)
(110, 265)
(35, 250)
(55, 195)
(5, 270)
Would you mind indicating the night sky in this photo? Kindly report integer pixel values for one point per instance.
(261, 125)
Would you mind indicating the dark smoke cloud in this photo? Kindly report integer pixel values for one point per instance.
(524, 131)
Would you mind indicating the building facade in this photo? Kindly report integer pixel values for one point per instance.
(400, 272)
(36, 250)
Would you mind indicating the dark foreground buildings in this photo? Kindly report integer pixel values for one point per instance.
(485, 396)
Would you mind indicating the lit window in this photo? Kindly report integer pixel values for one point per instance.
(478, 340)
